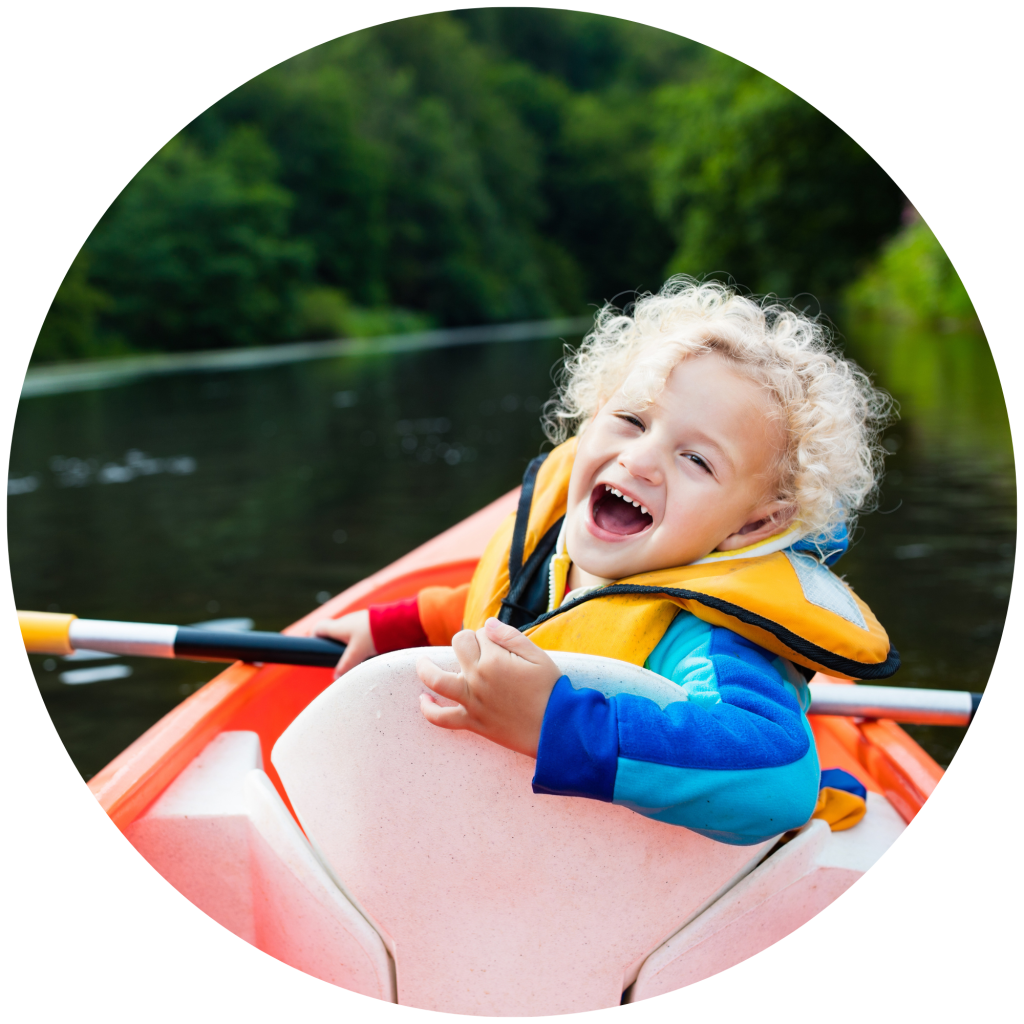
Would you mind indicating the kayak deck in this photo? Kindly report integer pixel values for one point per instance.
(266, 699)
(154, 794)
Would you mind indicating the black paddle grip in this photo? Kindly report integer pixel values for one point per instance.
(272, 648)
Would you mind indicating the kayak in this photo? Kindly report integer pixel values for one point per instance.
(330, 826)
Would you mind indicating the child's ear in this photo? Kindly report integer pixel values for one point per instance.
(764, 522)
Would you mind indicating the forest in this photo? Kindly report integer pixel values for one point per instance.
(484, 166)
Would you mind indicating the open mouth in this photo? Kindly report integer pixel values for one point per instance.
(615, 513)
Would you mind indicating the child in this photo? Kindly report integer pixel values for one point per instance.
(720, 451)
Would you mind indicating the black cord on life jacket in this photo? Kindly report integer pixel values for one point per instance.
(521, 574)
(819, 655)
(516, 551)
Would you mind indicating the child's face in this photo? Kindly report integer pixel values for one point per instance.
(700, 461)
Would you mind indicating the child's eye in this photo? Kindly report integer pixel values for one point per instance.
(693, 457)
(634, 420)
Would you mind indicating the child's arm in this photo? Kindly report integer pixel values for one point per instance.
(735, 761)
(501, 691)
(353, 630)
(430, 619)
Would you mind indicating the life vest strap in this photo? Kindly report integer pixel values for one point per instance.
(518, 548)
(508, 606)
(521, 579)
(819, 655)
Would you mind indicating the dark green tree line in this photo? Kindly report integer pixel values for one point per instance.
(758, 183)
(469, 167)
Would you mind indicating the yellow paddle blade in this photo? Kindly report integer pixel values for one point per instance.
(46, 632)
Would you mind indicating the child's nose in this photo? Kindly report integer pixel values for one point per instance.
(641, 460)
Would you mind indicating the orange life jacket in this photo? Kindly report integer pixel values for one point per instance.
(786, 602)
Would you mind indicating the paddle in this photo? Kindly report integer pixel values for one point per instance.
(56, 633)
(899, 703)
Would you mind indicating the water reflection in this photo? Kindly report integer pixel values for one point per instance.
(306, 478)
(76, 472)
(936, 561)
(303, 479)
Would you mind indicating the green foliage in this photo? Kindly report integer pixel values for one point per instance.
(69, 330)
(415, 181)
(759, 185)
(325, 313)
(913, 284)
(196, 251)
(581, 83)
(910, 319)
(586, 52)
(336, 177)
(598, 217)
(469, 167)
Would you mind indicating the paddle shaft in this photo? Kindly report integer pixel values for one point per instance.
(63, 634)
(47, 633)
(899, 703)
(275, 648)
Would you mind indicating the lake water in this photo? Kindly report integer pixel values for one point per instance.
(258, 493)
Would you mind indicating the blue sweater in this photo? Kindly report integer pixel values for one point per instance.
(734, 759)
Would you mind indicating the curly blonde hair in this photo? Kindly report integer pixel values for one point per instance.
(833, 415)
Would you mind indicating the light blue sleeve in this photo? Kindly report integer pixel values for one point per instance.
(684, 655)
(743, 784)
(734, 759)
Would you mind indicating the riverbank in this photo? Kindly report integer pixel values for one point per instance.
(87, 375)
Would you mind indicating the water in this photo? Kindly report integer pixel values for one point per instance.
(259, 493)
(936, 561)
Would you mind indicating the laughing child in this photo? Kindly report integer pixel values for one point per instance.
(714, 452)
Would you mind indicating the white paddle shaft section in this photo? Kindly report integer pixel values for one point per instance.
(151, 640)
(916, 707)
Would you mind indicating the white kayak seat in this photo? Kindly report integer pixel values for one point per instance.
(787, 890)
(222, 836)
(494, 900)
(301, 915)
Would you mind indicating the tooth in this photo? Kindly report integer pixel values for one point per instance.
(642, 509)
(606, 487)
(617, 492)
(636, 503)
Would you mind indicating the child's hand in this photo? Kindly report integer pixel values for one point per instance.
(354, 630)
(502, 690)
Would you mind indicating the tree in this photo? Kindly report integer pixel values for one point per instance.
(69, 330)
(756, 183)
(470, 167)
(912, 284)
(416, 183)
(196, 250)
(582, 84)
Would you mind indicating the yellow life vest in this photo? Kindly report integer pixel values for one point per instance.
(786, 602)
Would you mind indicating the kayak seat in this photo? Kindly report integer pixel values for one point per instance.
(785, 891)
(493, 900)
(222, 836)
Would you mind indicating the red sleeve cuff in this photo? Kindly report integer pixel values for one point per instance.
(396, 626)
